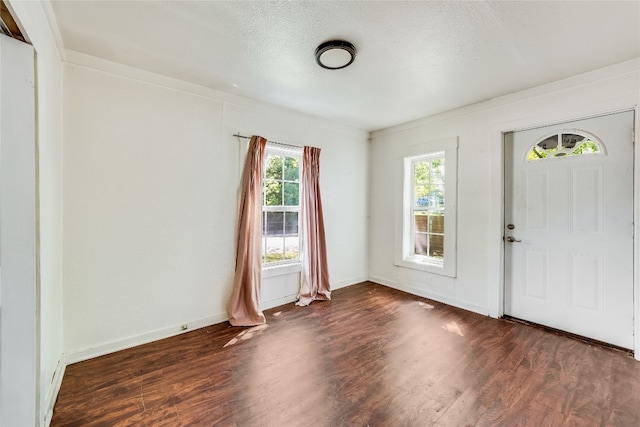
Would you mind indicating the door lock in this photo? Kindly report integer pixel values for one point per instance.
(512, 239)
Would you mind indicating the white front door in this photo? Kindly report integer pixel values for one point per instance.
(569, 227)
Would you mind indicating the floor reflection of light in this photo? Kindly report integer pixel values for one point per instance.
(453, 328)
(284, 380)
(425, 305)
(247, 334)
(418, 361)
(409, 347)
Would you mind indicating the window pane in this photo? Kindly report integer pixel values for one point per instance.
(291, 223)
(536, 153)
(569, 140)
(274, 251)
(437, 172)
(273, 193)
(436, 224)
(274, 237)
(421, 172)
(421, 220)
(436, 199)
(421, 194)
(549, 143)
(291, 240)
(436, 246)
(420, 244)
(291, 169)
(292, 249)
(275, 224)
(586, 147)
(433, 199)
(291, 194)
(273, 168)
(427, 195)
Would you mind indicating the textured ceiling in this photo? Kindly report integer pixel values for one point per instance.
(414, 58)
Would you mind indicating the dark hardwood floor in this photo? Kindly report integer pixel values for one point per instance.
(372, 356)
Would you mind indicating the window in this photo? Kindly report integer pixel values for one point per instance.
(426, 229)
(427, 206)
(563, 145)
(281, 207)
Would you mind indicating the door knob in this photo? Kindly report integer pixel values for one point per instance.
(512, 239)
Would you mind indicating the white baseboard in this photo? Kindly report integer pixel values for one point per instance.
(90, 353)
(432, 296)
(348, 282)
(265, 305)
(52, 395)
(111, 347)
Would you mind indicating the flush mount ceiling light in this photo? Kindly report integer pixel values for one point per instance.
(335, 54)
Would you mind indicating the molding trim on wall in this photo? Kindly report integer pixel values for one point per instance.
(52, 396)
(102, 65)
(348, 282)
(430, 295)
(54, 29)
(636, 237)
(101, 350)
(266, 305)
(631, 66)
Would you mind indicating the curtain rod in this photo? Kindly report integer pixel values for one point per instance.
(271, 142)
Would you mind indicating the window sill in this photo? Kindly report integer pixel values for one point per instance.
(282, 269)
(424, 264)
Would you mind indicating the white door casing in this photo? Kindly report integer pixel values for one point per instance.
(573, 267)
(18, 273)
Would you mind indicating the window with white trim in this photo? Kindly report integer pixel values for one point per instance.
(426, 237)
(281, 207)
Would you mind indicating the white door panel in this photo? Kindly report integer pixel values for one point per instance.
(572, 268)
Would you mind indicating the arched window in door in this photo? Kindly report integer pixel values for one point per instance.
(565, 144)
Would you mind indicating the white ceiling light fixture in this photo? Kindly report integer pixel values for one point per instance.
(335, 54)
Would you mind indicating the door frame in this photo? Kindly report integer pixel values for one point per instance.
(496, 289)
(19, 326)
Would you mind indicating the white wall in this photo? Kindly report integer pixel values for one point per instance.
(478, 285)
(35, 20)
(151, 176)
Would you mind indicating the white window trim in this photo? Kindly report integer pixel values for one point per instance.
(403, 254)
(282, 268)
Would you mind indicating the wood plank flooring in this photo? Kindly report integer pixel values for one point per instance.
(372, 356)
